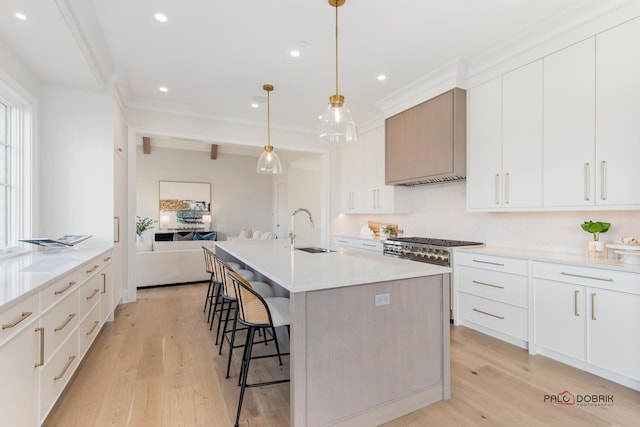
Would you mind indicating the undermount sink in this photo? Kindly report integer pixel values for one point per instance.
(315, 250)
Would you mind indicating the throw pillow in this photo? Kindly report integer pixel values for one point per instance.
(205, 236)
(182, 236)
(246, 233)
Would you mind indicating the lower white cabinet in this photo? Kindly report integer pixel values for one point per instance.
(589, 317)
(44, 337)
(491, 296)
(356, 243)
(19, 360)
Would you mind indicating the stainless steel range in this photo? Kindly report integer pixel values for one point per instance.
(432, 251)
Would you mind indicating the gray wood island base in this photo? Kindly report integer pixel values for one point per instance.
(369, 334)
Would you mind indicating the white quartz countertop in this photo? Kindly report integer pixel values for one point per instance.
(557, 257)
(24, 275)
(299, 271)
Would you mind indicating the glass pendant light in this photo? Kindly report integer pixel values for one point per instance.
(336, 124)
(269, 161)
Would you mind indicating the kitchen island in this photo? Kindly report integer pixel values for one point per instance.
(369, 334)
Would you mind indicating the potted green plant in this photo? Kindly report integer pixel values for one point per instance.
(142, 225)
(596, 228)
(388, 231)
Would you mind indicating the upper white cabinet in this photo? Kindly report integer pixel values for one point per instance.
(505, 141)
(618, 115)
(561, 132)
(569, 119)
(362, 177)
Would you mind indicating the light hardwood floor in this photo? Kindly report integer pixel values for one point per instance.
(156, 365)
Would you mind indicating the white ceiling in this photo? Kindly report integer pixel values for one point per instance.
(215, 55)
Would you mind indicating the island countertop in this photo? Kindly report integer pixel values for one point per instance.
(299, 271)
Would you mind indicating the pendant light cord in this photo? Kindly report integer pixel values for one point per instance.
(268, 120)
(337, 93)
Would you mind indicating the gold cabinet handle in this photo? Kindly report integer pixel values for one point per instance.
(593, 306)
(104, 283)
(63, 290)
(91, 270)
(41, 363)
(489, 262)
(66, 367)
(95, 291)
(586, 277)
(23, 316)
(506, 188)
(487, 284)
(116, 238)
(576, 296)
(95, 325)
(65, 323)
(587, 179)
(489, 314)
(107, 259)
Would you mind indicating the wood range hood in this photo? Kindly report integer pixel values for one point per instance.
(426, 144)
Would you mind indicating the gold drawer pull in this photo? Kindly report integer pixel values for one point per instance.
(104, 283)
(586, 277)
(63, 290)
(66, 367)
(489, 314)
(92, 269)
(488, 262)
(95, 291)
(23, 316)
(66, 322)
(107, 259)
(41, 363)
(488, 284)
(95, 325)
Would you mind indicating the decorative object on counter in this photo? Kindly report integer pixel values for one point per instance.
(142, 225)
(628, 249)
(365, 231)
(336, 123)
(65, 241)
(595, 228)
(269, 162)
(376, 227)
(388, 231)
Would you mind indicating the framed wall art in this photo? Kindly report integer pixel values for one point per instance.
(185, 205)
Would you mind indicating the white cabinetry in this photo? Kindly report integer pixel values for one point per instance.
(618, 115)
(569, 119)
(588, 317)
(505, 134)
(362, 178)
(45, 335)
(491, 295)
(19, 360)
(356, 243)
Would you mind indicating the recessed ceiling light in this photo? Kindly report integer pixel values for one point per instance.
(382, 77)
(161, 17)
(295, 53)
(21, 16)
(163, 89)
(254, 105)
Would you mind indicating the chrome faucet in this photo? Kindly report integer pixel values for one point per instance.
(292, 234)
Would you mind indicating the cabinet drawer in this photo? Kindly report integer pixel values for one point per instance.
(500, 317)
(587, 276)
(90, 268)
(90, 294)
(496, 285)
(16, 318)
(492, 262)
(56, 373)
(369, 245)
(89, 329)
(59, 290)
(59, 323)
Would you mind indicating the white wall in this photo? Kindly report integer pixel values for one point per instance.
(439, 211)
(240, 197)
(304, 192)
(76, 163)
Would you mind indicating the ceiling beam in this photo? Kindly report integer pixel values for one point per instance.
(146, 145)
(214, 151)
